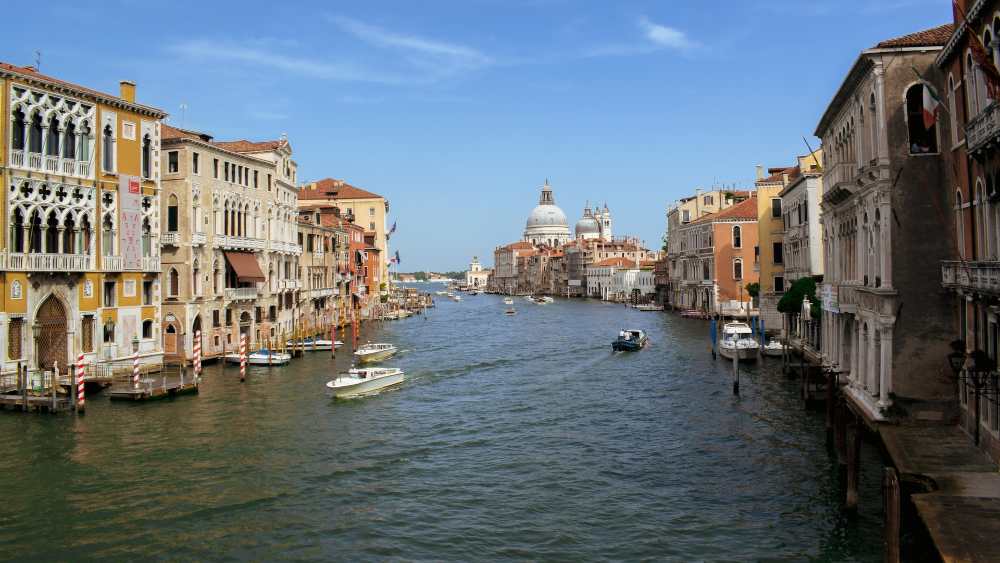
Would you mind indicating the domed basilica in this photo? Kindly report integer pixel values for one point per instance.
(547, 223)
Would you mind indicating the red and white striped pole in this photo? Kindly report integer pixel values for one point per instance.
(79, 383)
(197, 353)
(243, 357)
(135, 370)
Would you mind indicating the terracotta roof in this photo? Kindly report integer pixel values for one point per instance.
(746, 209)
(647, 264)
(331, 188)
(244, 145)
(31, 72)
(934, 37)
(520, 245)
(776, 174)
(617, 262)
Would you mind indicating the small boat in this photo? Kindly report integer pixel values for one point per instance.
(456, 298)
(262, 357)
(317, 344)
(510, 311)
(370, 353)
(648, 307)
(629, 341)
(737, 342)
(362, 381)
(774, 349)
(694, 314)
(441, 293)
(544, 300)
(508, 300)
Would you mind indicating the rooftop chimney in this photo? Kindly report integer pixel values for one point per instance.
(760, 171)
(127, 89)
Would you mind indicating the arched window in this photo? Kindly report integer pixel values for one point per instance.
(172, 214)
(52, 138)
(17, 231)
(981, 215)
(147, 329)
(921, 124)
(147, 154)
(108, 236)
(85, 232)
(952, 118)
(35, 234)
(108, 149)
(85, 142)
(69, 236)
(196, 278)
(738, 269)
(737, 237)
(873, 114)
(147, 238)
(971, 88)
(174, 283)
(35, 142)
(69, 141)
(17, 130)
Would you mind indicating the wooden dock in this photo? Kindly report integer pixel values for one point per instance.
(172, 381)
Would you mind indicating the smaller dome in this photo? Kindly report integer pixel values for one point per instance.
(587, 226)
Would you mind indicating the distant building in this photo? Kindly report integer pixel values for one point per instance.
(476, 276)
(547, 223)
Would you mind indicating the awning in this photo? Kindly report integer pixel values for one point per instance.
(246, 266)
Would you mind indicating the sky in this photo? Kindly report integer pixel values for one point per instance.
(457, 111)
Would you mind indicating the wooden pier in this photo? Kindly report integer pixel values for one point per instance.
(35, 392)
(172, 381)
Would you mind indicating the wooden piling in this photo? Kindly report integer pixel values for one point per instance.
(891, 512)
(831, 382)
(853, 464)
(736, 373)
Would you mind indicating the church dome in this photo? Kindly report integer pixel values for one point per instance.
(547, 215)
(587, 226)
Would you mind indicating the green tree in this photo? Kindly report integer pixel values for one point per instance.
(791, 301)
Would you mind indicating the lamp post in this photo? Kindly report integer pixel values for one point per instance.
(974, 368)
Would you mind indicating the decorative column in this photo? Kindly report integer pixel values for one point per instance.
(882, 151)
(885, 382)
(887, 244)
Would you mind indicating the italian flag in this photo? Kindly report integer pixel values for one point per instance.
(931, 104)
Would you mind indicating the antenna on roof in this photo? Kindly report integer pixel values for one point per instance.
(184, 108)
(38, 60)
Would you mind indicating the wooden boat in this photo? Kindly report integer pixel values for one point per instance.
(737, 342)
(371, 353)
(262, 357)
(363, 381)
(631, 340)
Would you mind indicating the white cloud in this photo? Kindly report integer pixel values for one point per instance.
(664, 36)
(411, 43)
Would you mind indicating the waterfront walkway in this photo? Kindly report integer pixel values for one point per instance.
(962, 508)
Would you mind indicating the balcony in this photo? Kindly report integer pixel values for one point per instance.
(38, 262)
(170, 239)
(198, 239)
(290, 285)
(49, 164)
(282, 246)
(238, 243)
(983, 129)
(150, 263)
(976, 276)
(241, 293)
(117, 264)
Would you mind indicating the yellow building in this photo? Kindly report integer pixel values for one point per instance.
(79, 261)
(769, 259)
(369, 210)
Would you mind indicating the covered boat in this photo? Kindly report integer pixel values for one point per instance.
(774, 348)
(362, 381)
(370, 353)
(262, 357)
(317, 344)
(738, 342)
(629, 341)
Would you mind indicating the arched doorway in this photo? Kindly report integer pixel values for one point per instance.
(170, 333)
(50, 331)
(245, 326)
(195, 330)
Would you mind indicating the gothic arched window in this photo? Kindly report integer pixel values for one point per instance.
(147, 153)
(922, 128)
(52, 139)
(85, 142)
(108, 149)
(738, 269)
(737, 237)
(172, 214)
(69, 141)
(35, 140)
(17, 130)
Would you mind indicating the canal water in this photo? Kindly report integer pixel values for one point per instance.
(520, 437)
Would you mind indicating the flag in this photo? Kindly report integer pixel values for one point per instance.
(931, 106)
(397, 257)
(393, 229)
(989, 70)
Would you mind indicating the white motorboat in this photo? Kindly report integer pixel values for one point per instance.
(648, 307)
(314, 344)
(774, 349)
(440, 293)
(737, 342)
(370, 353)
(544, 300)
(362, 381)
(456, 297)
(508, 300)
(262, 357)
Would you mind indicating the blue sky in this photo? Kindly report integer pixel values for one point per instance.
(458, 110)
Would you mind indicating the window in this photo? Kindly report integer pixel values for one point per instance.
(194, 163)
(172, 214)
(371, 226)
(88, 333)
(215, 168)
(172, 163)
(173, 283)
(147, 329)
(147, 148)
(108, 149)
(779, 284)
(371, 211)
(52, 139)
(14, 329)
(922, 127)
(17, 130)
(128, 130)
(109, 294)
(268, 182)
(776, 207)
(255, 179)
(737, 237)
(147, 292)
(215, 318)
(35, 138)
(779, 255)
(229, 317)
(952, 117)
(738, 269)
(225, 168)
(109, 331)
(708, 200)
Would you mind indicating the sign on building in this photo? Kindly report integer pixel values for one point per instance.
(130, 233)
(829, 298)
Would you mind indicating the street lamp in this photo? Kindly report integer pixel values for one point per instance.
(977, 369)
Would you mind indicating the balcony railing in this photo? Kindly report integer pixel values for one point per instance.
(112, 263)
(983, 128)
(282, 246)
(978, 276)
(240, 243)
(171, 239)
(842, 173)
(150, 263)
(198, 239)
(49, 164)
(39, 262)
(241, 293)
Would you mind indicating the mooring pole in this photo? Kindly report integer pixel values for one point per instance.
(736, 372)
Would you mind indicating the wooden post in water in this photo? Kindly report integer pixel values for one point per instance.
(891, 511)
(22, 376)
(840, 431)
(831, 382)
(736, 372)
(53, 381)
(853, 464)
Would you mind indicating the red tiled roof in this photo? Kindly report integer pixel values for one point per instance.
(647, 264)
(746, 209)
(31, 72)
(331, 188)
(617, 262)
(519, 245)
(776, 174)
(934, 37)
(244, 145)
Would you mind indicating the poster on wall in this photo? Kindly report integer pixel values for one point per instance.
(130, 233)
